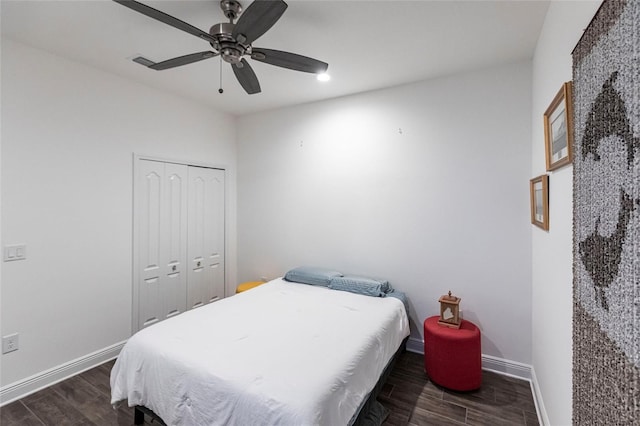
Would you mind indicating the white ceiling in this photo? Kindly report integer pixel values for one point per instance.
(368, 44)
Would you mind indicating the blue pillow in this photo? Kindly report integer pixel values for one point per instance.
(360, 285)
(402, 297)
(312, 275)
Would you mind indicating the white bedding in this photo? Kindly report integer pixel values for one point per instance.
(280, 354)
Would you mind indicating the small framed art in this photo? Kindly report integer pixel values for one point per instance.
(558, 129)
(539, 189)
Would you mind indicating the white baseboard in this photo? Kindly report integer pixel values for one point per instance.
(490, 363)
(22, 388)
(506, 367)
(543, 417)
(415, 345)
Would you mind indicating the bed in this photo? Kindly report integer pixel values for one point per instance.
(283, 353)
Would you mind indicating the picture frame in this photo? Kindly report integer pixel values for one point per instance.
(558, 129)
(539, 193)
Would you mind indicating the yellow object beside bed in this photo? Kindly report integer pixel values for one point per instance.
(248, 286)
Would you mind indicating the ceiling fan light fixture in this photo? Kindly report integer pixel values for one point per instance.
(323, 76)
(232, 54)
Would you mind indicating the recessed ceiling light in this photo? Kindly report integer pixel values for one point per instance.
(323, 77)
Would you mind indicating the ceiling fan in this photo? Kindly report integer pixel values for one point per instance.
(232, 40)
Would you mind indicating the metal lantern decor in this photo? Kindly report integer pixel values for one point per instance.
(450, 311)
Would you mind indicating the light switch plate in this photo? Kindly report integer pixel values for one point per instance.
(15, 252)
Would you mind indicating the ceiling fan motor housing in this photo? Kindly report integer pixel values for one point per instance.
(230, 50)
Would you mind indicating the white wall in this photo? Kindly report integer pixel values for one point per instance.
(552, 251)
(425, 185)
(68, 137)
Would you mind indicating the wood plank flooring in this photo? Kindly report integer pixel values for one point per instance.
(414, 400)
(408, 394)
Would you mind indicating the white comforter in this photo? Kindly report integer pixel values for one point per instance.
(280, 354)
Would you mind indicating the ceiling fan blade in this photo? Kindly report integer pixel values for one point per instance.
(182, 60)
(257, 19)
(288, 60)
(247, 78)
(164, 18)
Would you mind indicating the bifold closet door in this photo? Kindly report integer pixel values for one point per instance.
(205, 254)
(162, 237)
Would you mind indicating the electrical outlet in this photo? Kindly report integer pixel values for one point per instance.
(9, 343)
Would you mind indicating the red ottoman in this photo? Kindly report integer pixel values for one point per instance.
(452, 357)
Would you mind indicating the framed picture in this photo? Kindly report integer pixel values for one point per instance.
(539, 188)
(558, 129)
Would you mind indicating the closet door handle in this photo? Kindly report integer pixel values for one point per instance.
(198, 264)
(174, 267)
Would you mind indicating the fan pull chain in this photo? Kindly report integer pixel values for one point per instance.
(220, 89)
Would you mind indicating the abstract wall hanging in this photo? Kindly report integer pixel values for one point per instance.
(606, 235)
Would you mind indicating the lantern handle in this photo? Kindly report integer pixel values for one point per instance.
(450, 297)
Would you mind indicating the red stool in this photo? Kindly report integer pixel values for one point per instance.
(452, 357)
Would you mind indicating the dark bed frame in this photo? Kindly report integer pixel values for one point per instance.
(357, 419)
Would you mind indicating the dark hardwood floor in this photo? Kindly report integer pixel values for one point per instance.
(408, 394)
(414, 400)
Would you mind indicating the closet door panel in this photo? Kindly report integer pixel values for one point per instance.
(175, 247)
(162, 229)
(206, 236)
(214, 246)
(151, 175)
(197, 277)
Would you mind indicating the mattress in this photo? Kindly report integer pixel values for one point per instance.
(280, 354)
